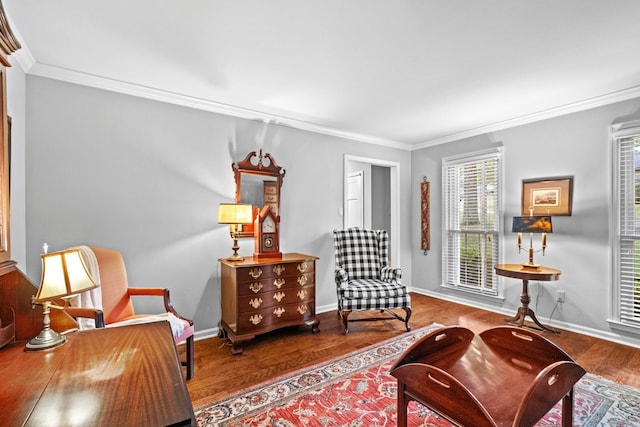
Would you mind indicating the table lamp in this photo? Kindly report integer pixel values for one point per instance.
(64, 274)
(235, 214)
(532, 224)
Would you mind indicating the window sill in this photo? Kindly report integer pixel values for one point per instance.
(625, 327)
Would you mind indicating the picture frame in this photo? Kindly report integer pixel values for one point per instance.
(547, 196)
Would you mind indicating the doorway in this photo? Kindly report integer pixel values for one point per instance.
(380, 197)
(355, 200)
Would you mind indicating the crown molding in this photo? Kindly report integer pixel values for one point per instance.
(31, 67)
(599, 101)
(155, 94)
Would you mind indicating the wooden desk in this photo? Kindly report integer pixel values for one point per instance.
(516, 271)
(122, 376)
(504, 377)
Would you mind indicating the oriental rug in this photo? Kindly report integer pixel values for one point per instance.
(358, 391)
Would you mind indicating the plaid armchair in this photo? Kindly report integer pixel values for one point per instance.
(364, 280)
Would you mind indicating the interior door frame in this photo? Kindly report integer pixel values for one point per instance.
(348, 206)
(394, 172)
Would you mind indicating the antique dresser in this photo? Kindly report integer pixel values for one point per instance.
(259, 296)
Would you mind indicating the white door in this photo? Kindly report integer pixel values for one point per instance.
(355, 199)
(394, 196)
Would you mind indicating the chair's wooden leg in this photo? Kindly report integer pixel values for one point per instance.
(190, 357)
(344, 314)
(406, 318)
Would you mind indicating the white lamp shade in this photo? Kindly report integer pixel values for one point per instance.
(235, 213)
(63, 273)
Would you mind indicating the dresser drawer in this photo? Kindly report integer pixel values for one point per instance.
(274, 284)
(260, 319)
(272, 299)
(283, 269)
(270, 198)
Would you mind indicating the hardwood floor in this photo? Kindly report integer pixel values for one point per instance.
(218, 373)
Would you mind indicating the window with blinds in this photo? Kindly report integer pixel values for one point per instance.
(471, 190)
(626, 289)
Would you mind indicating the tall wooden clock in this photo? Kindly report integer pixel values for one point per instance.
(266, 232)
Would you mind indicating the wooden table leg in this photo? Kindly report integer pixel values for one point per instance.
(403, 402)
(524, 311)
(567, 409)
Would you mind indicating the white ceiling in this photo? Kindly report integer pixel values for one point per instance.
(409, 73)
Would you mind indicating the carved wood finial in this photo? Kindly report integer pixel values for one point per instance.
(270, 166)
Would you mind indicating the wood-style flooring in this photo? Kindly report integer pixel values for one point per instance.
(218, 373)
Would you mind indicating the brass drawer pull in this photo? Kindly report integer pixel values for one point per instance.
(278, 296)
(302, 294)
(255, 287)
(279, 311)
(255, 272)
(302, 280)
(278, 269)
(302, 309)
(279, 282)
(256, 319)
(303, 266)
(255, 302)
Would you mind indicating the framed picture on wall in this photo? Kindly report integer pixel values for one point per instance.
(547, 196)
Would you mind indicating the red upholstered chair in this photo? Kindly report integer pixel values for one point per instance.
(117, 307)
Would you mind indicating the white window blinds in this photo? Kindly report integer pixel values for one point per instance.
(472, 222)
(626, 290)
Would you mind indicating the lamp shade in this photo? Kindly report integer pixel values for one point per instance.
(63, 273)
(235, 213)
(532, 224)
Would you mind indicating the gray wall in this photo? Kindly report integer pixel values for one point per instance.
(146, 178)
(380, 198)
(576, 144)
(99, 168)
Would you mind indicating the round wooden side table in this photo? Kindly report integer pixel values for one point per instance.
(517, 271)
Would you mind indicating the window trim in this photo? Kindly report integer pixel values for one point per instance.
(617, 132)
(476, 156)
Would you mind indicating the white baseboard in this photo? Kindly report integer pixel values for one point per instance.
(605, 335)
(596, 333)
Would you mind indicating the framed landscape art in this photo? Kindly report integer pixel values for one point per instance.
(547, 196)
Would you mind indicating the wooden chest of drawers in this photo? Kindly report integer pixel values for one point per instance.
(259, 296)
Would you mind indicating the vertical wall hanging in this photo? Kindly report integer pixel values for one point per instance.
(425, 239)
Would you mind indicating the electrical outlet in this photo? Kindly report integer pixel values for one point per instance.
(560, 296)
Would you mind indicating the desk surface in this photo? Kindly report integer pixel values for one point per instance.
(516, 271)
(124, 376)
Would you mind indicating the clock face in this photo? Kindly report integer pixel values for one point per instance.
(268, 225)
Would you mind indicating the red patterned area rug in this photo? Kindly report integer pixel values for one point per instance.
(357, 390)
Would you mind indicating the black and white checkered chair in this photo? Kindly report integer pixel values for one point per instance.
(364, 279)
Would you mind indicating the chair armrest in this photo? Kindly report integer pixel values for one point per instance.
(342, 278)
(390, 274)
(163, 292)
(89, 313)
